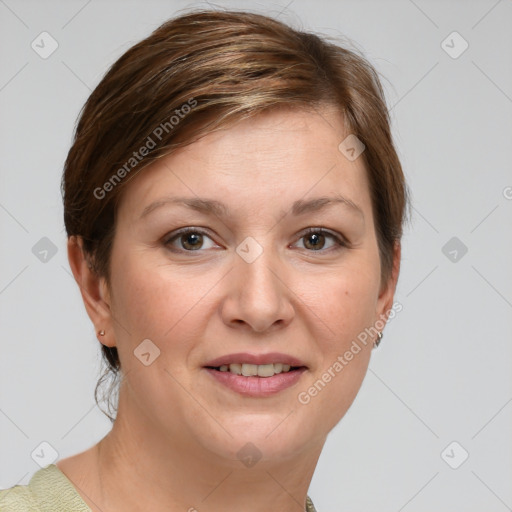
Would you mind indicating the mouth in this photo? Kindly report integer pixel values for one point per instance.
(256, 375)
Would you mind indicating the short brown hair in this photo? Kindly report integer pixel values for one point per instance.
(224, 66)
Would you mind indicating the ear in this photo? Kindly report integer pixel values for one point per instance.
(94, 291)
(387, 292)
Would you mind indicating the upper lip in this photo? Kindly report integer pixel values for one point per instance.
(245, 357)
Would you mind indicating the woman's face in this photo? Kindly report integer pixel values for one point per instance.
(247, 280)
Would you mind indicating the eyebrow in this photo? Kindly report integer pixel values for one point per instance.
(219, 209)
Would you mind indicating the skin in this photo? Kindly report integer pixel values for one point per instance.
(174, 443)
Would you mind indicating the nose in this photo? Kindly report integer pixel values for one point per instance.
(259, 298)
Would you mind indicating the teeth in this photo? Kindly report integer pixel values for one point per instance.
(248, 370)
(235, 368)
(252, 370)
(266, 370)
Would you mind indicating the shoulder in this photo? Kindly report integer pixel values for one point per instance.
(309, 505)
(17, 499)
(48, 490)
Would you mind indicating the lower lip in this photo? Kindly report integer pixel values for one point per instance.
(257, 386)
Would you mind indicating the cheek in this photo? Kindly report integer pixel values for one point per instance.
(158, 302)
(346, 312)
(343, 310)
(344, 302)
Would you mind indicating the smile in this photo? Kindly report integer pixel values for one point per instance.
(253, 370)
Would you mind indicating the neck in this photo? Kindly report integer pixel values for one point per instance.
(137, 464)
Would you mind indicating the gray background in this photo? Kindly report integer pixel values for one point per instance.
(442, 372)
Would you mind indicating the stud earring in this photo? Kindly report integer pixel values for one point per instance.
(101, 333)
(377, 341)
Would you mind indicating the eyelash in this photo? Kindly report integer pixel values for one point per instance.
(340, 242)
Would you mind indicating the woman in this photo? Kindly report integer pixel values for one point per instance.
(234, 207)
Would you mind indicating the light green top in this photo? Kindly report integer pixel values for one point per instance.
(49, 490)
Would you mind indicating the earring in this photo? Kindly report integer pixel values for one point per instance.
(101, 333)
(377, 341)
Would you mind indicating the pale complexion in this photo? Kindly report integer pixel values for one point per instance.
(174, 444)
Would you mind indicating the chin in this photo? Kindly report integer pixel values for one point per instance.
(263, 436)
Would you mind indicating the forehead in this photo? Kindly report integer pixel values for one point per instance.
(273, 156)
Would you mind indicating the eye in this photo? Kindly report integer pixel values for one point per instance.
(193, 239)
(316, 237)
(190, 239)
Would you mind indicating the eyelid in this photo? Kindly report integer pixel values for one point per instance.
(339, 239)
(324, 231)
